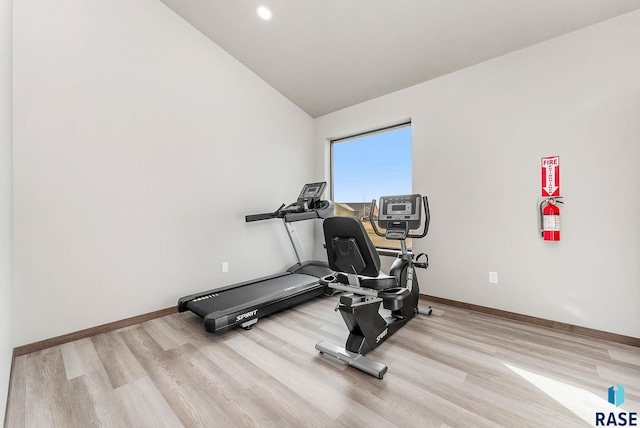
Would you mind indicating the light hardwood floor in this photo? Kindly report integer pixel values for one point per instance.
(455, 368)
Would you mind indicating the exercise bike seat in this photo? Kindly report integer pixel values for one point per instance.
(380, 282)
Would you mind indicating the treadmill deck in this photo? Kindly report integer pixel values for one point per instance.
(236, 306)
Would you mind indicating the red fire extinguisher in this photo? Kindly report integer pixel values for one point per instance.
(550, 219)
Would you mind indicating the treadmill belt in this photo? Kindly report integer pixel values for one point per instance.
(253, 294)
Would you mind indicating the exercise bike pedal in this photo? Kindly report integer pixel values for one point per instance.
(421, 265)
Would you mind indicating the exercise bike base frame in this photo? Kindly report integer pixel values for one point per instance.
(353, 359)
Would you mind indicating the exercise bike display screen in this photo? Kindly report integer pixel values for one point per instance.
(400, 209)
(404, 208)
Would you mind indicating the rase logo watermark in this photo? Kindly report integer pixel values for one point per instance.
(615, 396)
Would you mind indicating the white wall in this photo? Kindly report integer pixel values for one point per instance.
(478, 136)
(5, 199)
(139, 147)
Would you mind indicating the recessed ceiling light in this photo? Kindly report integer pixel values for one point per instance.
(264, 13)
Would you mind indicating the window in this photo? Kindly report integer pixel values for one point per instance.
(367, 166)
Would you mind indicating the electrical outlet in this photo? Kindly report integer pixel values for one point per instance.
(225, 267)
(493, 277)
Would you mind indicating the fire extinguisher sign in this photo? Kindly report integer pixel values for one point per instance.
(550, 176)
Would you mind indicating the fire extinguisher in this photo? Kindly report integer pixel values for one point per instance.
(550, 219)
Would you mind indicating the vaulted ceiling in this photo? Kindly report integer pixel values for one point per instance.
(325, 55)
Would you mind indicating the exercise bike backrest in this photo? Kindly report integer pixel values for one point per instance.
(349, 248)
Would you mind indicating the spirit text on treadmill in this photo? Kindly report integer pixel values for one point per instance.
(246, 315)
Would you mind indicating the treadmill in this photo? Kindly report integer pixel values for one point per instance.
(244, 303)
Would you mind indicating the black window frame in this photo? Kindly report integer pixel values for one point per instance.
(390, 247)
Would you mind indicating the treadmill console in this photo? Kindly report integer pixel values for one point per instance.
(309, 198)
(312, 192)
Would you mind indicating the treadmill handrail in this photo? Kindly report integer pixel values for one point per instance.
(321, 210)
(264, 216)
(292, 217)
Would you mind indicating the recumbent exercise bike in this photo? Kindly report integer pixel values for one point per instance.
(356, 263)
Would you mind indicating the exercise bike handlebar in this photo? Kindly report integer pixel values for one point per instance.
(372, 221)
(427, 218)
(425, 229)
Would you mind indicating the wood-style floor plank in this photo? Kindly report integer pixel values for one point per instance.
(17, 399)
(119, 363)
(145, 407)
(456, 368)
